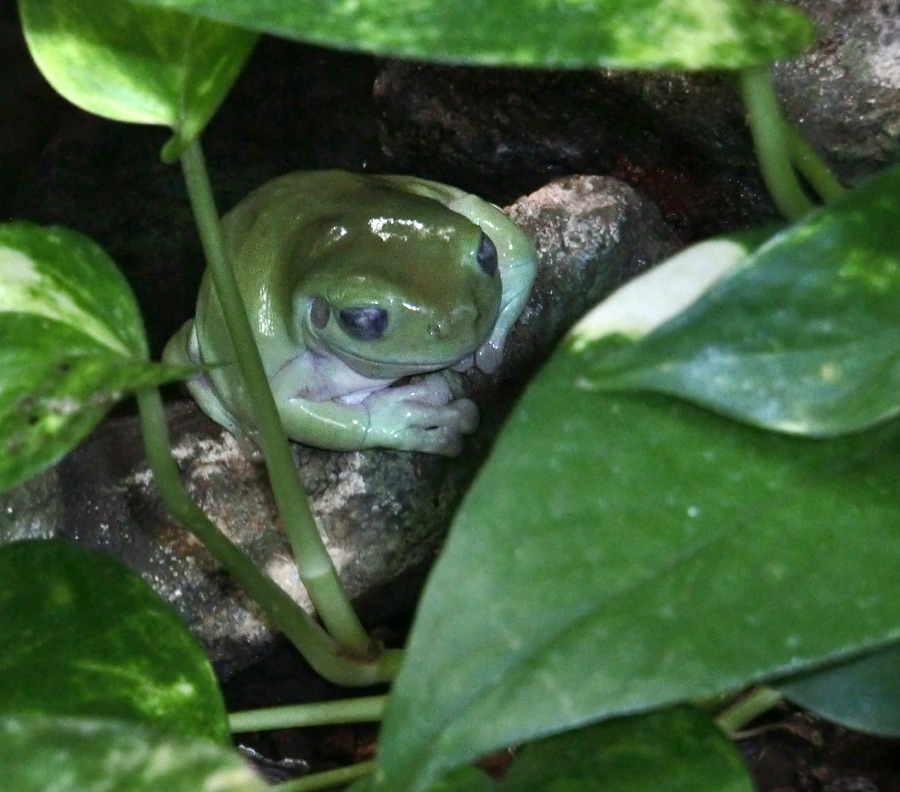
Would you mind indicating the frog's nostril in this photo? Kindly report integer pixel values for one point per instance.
(366, 323)
(460, 320)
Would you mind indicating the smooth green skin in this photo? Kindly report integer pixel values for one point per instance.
(309, 245)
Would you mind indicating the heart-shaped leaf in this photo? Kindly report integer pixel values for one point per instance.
(862, 694)
(85, 637)
(41, 753)
(620, 553)
(802, 336)
(137, 64)
(71, 345)
(678, 750)
(691, 34)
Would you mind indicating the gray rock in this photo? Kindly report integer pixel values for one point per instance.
(383, 514)
(843, 92)
(680, 138)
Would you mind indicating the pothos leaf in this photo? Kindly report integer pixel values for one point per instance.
(85, 637)
(39, 753)
(71, 345)
(690, 34)
(132, 63)
(623, 552)
(801, 335)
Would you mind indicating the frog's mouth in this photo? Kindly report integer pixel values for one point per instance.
(381, 368)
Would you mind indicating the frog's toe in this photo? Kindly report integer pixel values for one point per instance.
(443, 440)
(423, 417)
(468, 415)
(489, 357)
(433, 390)
(464, 365)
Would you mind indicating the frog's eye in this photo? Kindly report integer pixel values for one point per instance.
(487, 256)
(366, 323)
(319, 312)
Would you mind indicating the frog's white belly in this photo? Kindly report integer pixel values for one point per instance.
(319, 376)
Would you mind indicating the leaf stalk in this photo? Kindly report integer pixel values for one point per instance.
(354, 710)
(770, 142)
(314, 565)
(327, 779)
(319, 649)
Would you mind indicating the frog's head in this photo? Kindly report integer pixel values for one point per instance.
(414, 287)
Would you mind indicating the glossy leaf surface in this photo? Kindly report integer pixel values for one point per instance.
(133, 63)
(621, 553)
(39, 753)
(677, 750)
(861, 694)
(692, 34)
(83, 636)
(803, 337)
(71, 345)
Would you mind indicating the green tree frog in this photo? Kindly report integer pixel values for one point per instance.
(352, 283)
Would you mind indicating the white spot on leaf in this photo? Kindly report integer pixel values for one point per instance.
(647, 302)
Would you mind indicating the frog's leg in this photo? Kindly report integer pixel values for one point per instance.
(517, 262)
(184, 348)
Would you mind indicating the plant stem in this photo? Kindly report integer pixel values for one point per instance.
(313, 562)
(770, 141)
(735, 717)
(811, 165)
(326, 780)
(319, 648)
(354, 710)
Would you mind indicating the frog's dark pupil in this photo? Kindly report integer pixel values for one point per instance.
(487, 255)
(319, 312)
(365, 323)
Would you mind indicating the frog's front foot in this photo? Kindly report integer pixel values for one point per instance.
(487, 358)
(423, 416)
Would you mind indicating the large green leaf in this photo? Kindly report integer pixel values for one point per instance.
(863, 693)
(137, 64)
(691, 34)
(802, 337)
(39, 753)
(58, 274)
(619, 553)
(82, 636)
(71, 345)
(677, 750)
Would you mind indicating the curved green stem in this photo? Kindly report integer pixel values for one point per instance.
(745, 709)
(326, 780)
(320, 649)
(313, 562)
(811, 165)
(770, 141)
(354, 710)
